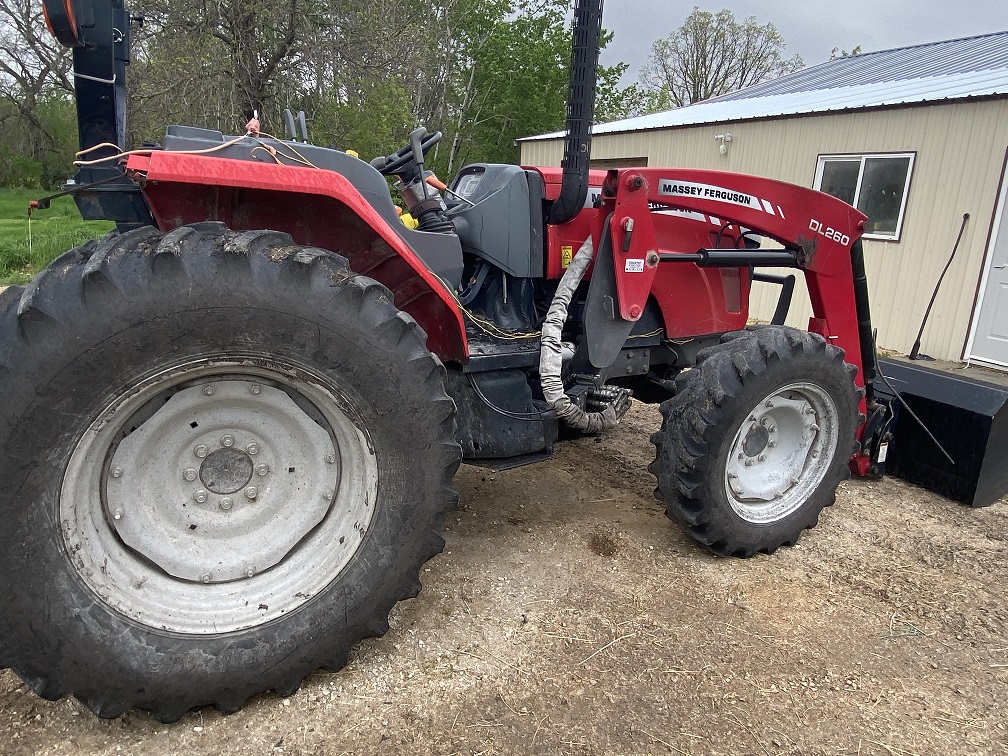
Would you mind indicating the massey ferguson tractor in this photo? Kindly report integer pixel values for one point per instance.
(229, 428)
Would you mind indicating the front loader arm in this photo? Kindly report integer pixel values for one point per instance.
(818, 230)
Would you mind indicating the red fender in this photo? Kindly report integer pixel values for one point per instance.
(317, 208)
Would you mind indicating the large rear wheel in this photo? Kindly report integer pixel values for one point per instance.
(225, 458)
(756, 440)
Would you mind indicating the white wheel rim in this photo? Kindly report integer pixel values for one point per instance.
(200, 554)
(781, 452)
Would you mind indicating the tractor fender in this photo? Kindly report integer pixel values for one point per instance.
(317, 208)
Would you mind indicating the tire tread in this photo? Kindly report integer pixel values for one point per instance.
(694, 420)
(121, 263)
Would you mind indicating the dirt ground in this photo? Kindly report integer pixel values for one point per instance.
(567, 615)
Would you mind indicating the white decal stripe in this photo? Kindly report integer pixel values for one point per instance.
(780, 211)
(767, 206)
(691, 214)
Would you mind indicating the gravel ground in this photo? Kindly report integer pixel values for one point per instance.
(567, 615)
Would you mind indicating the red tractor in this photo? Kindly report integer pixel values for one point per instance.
(230, 427)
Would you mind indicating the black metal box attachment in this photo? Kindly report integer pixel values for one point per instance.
(970, 420)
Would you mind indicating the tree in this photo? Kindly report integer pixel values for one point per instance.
(35, 104)
(838, 53)
(710, 55)
(516, 74)
(366, 72)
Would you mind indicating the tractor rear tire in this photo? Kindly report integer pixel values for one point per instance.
(224, 457)
(756, 440)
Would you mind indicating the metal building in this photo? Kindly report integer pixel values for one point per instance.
(915, 137)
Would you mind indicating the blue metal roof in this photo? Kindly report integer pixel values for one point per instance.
(933, 72)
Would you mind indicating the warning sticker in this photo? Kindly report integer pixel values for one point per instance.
(634, 266)
(566, 255)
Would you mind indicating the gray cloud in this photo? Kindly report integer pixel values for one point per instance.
(811, 29)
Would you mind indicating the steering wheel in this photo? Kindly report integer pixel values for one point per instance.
(420, 143)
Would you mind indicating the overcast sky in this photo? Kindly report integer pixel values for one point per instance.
(811, 28)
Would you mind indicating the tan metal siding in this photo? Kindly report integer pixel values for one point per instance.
(959, 149)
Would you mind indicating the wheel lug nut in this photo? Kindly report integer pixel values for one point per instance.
(252, 449)
(208, 390)
(206, 577)
(189, 474)
(330, 458)
(200, 451)
(249, 572)
(772, 444)
(262, 470)
(251, 492)
(814, 428)
(200, 497)
(227, 440)
(772, 429)
(815, 455)
(762, 457)
(226, 504)
(118, 514)
(769, 404)
(749, 462)
(255, 389)
(117, 472)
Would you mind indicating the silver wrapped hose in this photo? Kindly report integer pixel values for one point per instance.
(551, 354)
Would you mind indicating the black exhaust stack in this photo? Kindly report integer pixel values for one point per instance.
(580, 111)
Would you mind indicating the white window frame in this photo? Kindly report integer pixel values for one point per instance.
(863, 156)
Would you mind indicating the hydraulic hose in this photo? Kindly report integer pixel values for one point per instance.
(551, 354)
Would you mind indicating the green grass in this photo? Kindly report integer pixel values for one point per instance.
(53, 232)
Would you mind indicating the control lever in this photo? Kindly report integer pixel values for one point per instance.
(415, 139)
(303, 126)
(288, 119)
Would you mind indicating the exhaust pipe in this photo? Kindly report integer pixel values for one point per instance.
(580, 111)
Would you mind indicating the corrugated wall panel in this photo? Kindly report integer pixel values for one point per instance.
(960, 148)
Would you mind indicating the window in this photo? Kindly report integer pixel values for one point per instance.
(877, 185)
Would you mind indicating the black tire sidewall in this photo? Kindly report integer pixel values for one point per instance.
(701, 421)
(55, 631)
(805, 368)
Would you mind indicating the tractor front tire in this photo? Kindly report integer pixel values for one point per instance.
(756, 440)
(224, 457)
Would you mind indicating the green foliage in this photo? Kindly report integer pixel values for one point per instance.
(20, 170)
(375, 120)
(53, 232)
(521, 75)
(39, 154)
(484, 72)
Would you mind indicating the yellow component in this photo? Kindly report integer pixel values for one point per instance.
(566, 255)
(409, 221)
(353, 153)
